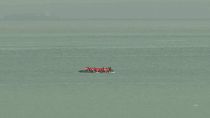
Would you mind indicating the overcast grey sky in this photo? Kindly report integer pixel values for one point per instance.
(105, 8)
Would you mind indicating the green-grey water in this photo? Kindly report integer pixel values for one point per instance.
(162, 68)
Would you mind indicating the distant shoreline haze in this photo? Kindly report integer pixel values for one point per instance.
(111, 9)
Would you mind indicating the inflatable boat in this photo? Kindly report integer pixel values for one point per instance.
(97, 70)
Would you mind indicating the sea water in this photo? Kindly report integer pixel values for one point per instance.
(162, 68)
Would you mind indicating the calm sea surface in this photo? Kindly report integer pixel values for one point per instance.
(162, 68)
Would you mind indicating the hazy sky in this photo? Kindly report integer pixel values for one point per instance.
(105, 8)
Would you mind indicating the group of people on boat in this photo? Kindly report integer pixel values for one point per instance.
(100, 70)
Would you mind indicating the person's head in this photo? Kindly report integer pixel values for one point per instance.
(86, 68)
